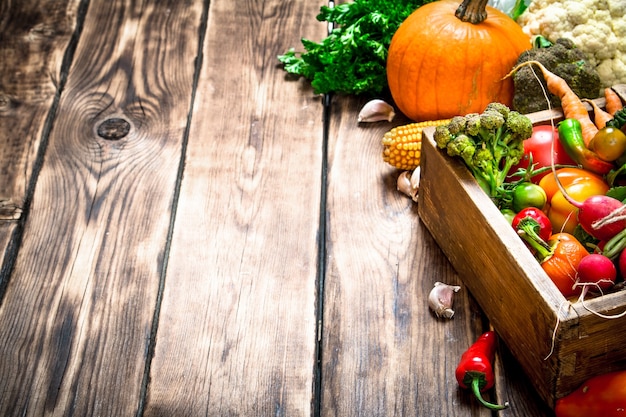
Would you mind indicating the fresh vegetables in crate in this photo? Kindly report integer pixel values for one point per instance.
(567, 317)
(574, 198)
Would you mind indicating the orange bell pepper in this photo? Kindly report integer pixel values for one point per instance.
(580, 185)
(600, 396)
(562, 264)
(559, 258)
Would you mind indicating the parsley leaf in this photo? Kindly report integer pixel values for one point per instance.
(352, 58)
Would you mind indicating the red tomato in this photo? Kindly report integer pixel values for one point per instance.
(539, 223)
(540, 146)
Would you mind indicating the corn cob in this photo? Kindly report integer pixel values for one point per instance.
(402, 145)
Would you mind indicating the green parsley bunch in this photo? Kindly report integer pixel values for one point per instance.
(352, 58)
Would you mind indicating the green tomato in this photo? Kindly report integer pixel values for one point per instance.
(528, 194)
(609, 143)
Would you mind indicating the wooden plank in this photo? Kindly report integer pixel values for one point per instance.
(384, 352)
(33, 37)
(76, 318)
(237, 329)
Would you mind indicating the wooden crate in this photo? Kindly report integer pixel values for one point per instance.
(515, 293)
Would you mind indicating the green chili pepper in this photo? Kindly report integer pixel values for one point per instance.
(571, 136)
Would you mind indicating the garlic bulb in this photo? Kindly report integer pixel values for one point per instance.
(440, 299)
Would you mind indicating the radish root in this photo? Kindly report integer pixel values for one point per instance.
(556, 327)
(604, 316)
(619, 214)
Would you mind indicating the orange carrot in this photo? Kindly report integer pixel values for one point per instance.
(600, 116)
(573, 107)
(613, 101)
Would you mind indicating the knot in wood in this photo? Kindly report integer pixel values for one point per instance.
(113, 129)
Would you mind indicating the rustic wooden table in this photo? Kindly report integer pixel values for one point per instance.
(185, 231)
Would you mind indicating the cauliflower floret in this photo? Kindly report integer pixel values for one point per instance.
(577, 14)
(613, 71)
(597, 27)
(619, 27)
(616, 7)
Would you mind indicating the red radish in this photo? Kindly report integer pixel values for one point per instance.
(597, 270)
(601, 216)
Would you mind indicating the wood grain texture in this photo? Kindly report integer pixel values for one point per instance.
(84, 288)
(237, 330)
(384, 352)
(34, 36)
(174, 271)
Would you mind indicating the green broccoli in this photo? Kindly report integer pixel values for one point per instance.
(461, 146)
(561, 58)
(490, 143)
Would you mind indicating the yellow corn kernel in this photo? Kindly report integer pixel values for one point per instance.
(402, 145)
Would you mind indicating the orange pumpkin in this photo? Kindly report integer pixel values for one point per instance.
(441, 66)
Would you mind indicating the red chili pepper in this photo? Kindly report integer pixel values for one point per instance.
(475, 370)
(600, 396)
(533, 221)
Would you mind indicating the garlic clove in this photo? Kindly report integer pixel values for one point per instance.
(376, 110)
(440, 299)
(404, 183)
(415, 179)
(408, 183)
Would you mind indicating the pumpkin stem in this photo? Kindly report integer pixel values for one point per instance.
(473, 11)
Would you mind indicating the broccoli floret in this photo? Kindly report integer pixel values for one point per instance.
(499, 107)
(456, 125)
(489, 143)
(483, 159)
(442, 136)
(472, 124)
(519, 125)
(491, 120)
(461, 146)
(563, 59)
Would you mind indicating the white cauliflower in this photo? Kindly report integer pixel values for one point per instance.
(597, 27)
